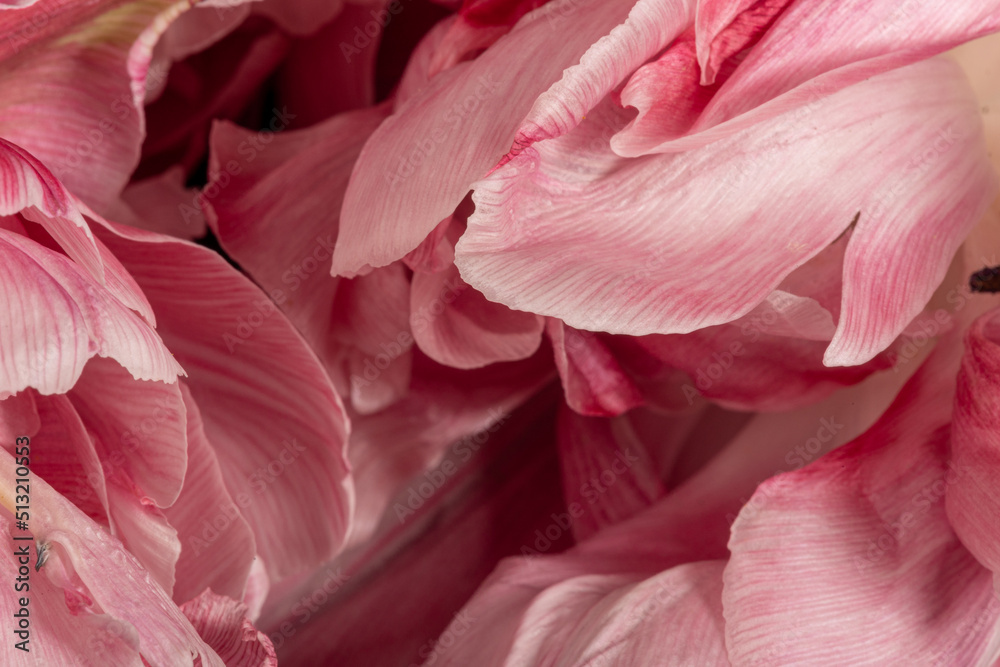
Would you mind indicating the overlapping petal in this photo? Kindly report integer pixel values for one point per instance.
(681, 262)
(270, 412)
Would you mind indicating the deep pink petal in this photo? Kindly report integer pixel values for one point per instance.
(161, 204)
(19, 416)
(593, 381)
(263, 212)
(221, 82)
(606, 471)
(300, 17)
(972, 505)
(222, 622)
(725, 28)
(331, 54)
(446, 413)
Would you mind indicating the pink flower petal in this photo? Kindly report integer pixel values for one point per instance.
(607, 471)
(456, 326)
(87, 130)
(446, 412)
(972, 504)
(348, 72)
(419, 165)
(223, 624)
(269, 410)
(59, 318)
(928, 183)
(853, 556)
(139, 427)
(217, 542)
(161, 204)
(802, 59)
(110, 579)
(592, 379)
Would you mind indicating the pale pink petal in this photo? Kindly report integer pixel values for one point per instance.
(802, 59)
(92, 446)
(65, 457)
(456, 326)
(143, 530)
(592, 379)
(419, 165)
(58, 635)
(676, 613)
(31, 189)
(651, 25)
(222, 622)
(591, 619)
(853, 559)
(59, 318)
(928, 181)
(217, 544)
(972, 504)
(108, 579)
(269, 410)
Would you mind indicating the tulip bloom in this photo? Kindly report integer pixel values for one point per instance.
(518, 332)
